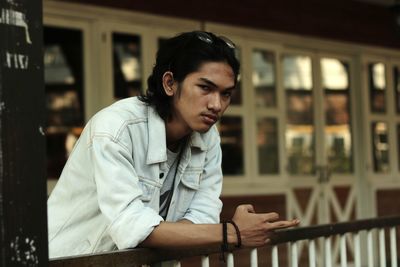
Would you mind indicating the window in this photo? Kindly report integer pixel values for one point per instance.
(377, 87)
(127, 65)
(338, 136)
(380, 146)
(63, 54)
(297, 81)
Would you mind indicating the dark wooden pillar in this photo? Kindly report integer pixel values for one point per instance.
(23, 223)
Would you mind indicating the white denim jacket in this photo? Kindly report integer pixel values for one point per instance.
(108, 194)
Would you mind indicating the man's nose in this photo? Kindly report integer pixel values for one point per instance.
(214, 103)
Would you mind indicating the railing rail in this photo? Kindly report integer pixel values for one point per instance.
(132, 257)
(142, 256)
(324, 230)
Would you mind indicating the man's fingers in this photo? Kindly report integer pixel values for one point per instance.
(270, 217)
(283, 224)
(247, 207)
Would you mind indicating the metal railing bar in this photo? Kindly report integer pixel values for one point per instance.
(312, 232)
(205, 261)
(328, 252)
(275, 257)
(343, 251)
(357, 250)
(382, 249)
(294, 255)
(253, 258)
(370, 250)
(230, 260)
(393, 249)
(311, 254)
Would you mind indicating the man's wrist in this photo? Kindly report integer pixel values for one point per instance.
(232, 237)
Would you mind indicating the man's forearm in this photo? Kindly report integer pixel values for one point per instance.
(185, 233)
(254, 229)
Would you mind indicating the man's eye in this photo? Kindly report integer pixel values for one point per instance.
(227, 94)
(205, 87)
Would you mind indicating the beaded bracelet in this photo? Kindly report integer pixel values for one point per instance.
(224, 245)
(239, 238)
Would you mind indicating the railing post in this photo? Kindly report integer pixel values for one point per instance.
(311, 254)
(205, 261)
(357, 250)
(23, 222)
(294, 255)
(393, 248)
(343, 251)
(230, 260)
(382, 248)
(253, 258)
(275, 258)
(328, 252)
(370, 250)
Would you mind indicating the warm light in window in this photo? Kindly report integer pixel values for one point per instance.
(334, 74)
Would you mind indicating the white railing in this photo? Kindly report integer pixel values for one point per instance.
(365, 239)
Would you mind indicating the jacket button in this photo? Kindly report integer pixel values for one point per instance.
(161, 175)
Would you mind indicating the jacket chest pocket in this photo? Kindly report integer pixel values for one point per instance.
(149, 189)
(190, 184)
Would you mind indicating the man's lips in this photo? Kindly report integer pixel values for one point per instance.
(210, 118)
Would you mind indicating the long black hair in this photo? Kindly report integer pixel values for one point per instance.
(182, 55)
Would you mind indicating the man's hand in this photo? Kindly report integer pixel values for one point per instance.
(256, 229)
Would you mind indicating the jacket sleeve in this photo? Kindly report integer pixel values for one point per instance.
(206, 205)
(119, 193)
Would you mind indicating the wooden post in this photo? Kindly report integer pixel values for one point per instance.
(23, 223)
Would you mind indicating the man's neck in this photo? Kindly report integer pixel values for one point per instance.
(173, 146)
(176, 134)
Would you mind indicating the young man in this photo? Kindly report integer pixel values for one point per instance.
(147, 171)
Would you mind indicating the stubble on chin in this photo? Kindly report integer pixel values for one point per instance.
(204, 129)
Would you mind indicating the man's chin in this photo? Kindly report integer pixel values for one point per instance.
(203, 129)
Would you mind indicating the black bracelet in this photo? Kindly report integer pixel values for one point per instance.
(224, 245)
(239, 238)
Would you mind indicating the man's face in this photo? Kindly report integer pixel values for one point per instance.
(204, 96)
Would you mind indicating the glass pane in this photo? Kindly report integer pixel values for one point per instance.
(127, 65)
(377, 87)
(299, 134)
(264, 78)
(58, 70)
(380, 146)
(230, 128)
(267, 141)
(396, 85)
(338, 136)
(64, 79)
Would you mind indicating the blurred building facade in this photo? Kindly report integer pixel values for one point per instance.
(313, 131)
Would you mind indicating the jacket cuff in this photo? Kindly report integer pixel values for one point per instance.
(201, 218)
(133, 225)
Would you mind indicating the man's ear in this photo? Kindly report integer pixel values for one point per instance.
(169, 83)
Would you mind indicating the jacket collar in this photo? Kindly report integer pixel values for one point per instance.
(196, 140)
(157, 149)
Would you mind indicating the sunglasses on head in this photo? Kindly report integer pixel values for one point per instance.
(205, 37)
